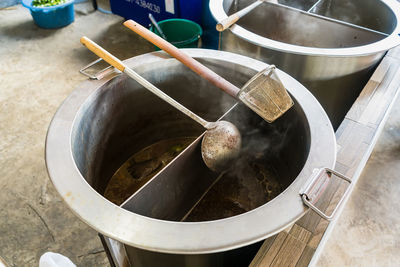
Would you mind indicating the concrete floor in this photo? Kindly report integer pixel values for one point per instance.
(39, 68)
(368, 231)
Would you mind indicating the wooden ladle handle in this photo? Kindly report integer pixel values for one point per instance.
(226, 23)
(105, 55)
(193, 64)
(232, 19)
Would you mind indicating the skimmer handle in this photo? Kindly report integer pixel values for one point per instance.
(190, 62)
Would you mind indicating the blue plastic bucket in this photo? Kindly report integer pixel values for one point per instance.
(53, 16)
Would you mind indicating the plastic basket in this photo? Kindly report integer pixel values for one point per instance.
(182, 33)
(53, 16)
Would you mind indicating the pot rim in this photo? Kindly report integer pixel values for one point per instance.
(392, 40)
(183, 237)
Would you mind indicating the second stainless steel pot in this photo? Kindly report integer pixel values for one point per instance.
(331, 46)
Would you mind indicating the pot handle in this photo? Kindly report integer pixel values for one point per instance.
(316, 187)
(99, 74)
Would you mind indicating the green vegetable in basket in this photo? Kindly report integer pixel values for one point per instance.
(47, 3)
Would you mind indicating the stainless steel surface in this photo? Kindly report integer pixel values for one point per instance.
(178, 187)
(116, 252)
(103, 122)
(98, 75)
(333, 59)
(149, 86)
(235, 257)
(249, 8)
(315, 189)
(314, 5)
(299, 4)
(373, 14)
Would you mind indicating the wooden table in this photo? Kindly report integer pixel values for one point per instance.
(300, 244)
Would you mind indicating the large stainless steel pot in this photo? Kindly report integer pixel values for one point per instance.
(331, 46)
(103, 122)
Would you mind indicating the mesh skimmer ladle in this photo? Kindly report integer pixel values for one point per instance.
(222, 140)
(264, 93)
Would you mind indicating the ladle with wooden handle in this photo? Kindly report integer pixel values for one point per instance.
(232, 19)
(222, 140)
(264, 95)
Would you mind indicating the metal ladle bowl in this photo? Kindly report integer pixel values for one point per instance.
(220, 145)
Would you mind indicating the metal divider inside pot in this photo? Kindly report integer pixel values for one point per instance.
(293, 26)
(173, 192)
(169, 195)
(358, 13)
(299, 4)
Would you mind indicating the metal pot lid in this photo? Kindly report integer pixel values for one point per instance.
(184, 237)
(392, 40)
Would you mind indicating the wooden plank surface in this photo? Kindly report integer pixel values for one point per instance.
(395, 53)
(265, 258)
(289, 253)
(356, 137)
